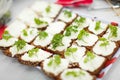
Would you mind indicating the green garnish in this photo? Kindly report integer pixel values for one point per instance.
(97, 26)
(80, 20)
(32, 52)
(89, 56)
(69, 51)
(31, 32)
(113, 30)
(42, 34)
(82, 34)
(57, 41)
(67, 13)
(71, 29)
(55, 60)
(20, 44)
(75, 74)
(48, 9)
(39, 22)
(25, 32)
(104, 43)
(6, 35)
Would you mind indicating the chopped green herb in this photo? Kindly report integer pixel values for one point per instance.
(55, 60)
(67, 13)
(75, 74)
(6, 35)
(48, 9)
(113, 30)
(39, 22)
(89, 56)
(20, 44)
(57, 41)
(71, 29)
(25, 32)
(97, 26)
(82, 34)
(80, 20)
(104, 43)
(32, 52)
(42, 34)
(69, 51)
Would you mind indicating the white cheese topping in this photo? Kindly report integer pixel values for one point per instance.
(92, 26)
(113, 38)
(76, 56)
(38, 57)
(55, 69)
(66, 43)
(39, 6)
(88, 40)
(15, 28)
(13, 50)
(27, 16)
(65, 18)
(31, 34)
(93, 64)
(83, 76)
(55, 27)
(7, 43)
(54, 10)
(104, 50)
(43, 42)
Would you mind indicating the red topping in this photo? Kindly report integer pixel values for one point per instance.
(2, 28)
(101, 75)
(110, 61)
(114, 23)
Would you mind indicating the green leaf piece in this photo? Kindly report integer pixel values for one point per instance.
(104, 43)
(32, 52)
(25, 32)
(81, 34)
(98, 26)
(42, 34)
(39, 22)
(57, 41)
(89, 56)
(70, 51)
(6, 35)
(48, 9)
(20, 44)
(80, 20)
(113, 30)
(67, 13)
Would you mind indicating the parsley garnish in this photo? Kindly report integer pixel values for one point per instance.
(89, 56)
(69, 51)
(104, 43)
(25, 32)
(113, 30)
(39, 22)
(48, 9)
(75, 73)
(82, 34)
(42, 34)
(97, 26)
(55, 60)
(80, 20)
(57, 41)
(67, 13)
(20, 44)
(6, 35)
(32, 52)
(71, 29)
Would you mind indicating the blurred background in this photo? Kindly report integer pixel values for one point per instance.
(105, 10)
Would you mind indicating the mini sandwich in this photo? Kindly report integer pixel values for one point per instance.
(86, 39)
(105, 48)
(29, 34)
(67, 16)
(59, 43)
(15, 28)
(34, 57)
(43, 39)
(76, 74)
(54, 66)
(92, 62)
(98, 28)
(74, 54)
(7, 40)
(113, 34)
(56, 27)
(18, 49)
(46, 9)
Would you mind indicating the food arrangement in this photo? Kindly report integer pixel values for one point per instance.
(64, 44)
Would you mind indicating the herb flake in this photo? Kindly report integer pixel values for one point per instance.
(104, 43)
(48, 9)
(25, 32)
(82, 34)
(97, 26)
(89, 56)
(20, 44)
(6, 35)
(39, 22)
(32, 52)
(69, 51)
(113, 30)
(42, 34)
(67, 13)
